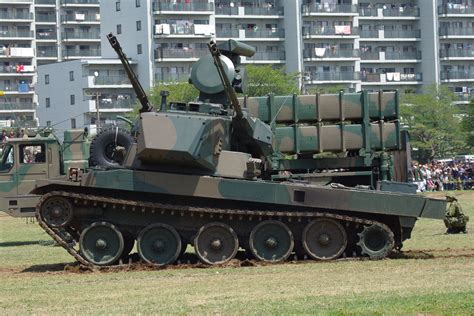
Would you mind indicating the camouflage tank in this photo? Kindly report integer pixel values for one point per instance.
(218, 176)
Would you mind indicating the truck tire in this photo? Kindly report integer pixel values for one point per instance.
(104, 144)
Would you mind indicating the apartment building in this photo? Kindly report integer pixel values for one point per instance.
(82, 92)
(348, 44)
(18, 64)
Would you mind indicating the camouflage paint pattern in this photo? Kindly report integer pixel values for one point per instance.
(335, 138)
(323, 107)
(75, 149)
(326, 198)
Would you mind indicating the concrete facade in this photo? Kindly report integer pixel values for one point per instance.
(71, 91)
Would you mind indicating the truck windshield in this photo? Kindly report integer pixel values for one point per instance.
(6, 158)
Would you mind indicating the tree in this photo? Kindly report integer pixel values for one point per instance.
(433, 122)
(181, 91)
(468, 125)
(263, 80)
(333, 89)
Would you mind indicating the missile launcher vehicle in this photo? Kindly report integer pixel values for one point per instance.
(223, 174)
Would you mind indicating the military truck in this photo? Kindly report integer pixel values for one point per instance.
(215, 175)
(39, 155)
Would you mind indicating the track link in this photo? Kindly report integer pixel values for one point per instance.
(179, 210)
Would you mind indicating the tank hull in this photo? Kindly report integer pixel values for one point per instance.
(131, 204)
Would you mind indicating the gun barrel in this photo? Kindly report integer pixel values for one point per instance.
(140, 92)
(229, 90)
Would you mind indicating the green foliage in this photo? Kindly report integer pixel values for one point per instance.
(263, 80)
(333, 89)
(179, 92)
(468, 125)
(433, 123)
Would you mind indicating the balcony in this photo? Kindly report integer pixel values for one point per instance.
(16, 34)
(176, 77)
(339, 31)
(75, 53)
(79, 17)
(17, 88)
(42, 35)
(19, 52)
(45, 2)
(267, 56)
(16, 16)
(180, 53)
(457, 75)
(451, 31)
(455, 9)
(17, 69)
(333, 76)
(221, 10)
(391, 78)
(180, 7)
(317, 9)
(381, 56)
(49, 53)
(389, 12)
(80, 36)
(116, 104)
(321, 53)
(15, 106)
(277, 33)
(45, 18)
(265, 11)
(111, 81)
(184, 30)
(80, 2)
(227, 33)
(456, 53)
(390, 34)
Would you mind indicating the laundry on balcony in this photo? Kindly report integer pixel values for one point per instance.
(25, 68)
(393, 76)
(202, 29)
(320, 52)
(80, 17)
(162, 29)
(21, 51)
(342, 29)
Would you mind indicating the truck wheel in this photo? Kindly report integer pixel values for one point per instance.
(104, 145)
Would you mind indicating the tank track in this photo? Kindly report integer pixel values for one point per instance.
(137, 206)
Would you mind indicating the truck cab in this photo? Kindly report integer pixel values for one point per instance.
(25, 160)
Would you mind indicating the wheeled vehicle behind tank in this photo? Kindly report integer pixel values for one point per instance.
(203, 173)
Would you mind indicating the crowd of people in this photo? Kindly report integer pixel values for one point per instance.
(443, 176)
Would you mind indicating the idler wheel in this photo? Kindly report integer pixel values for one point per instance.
(216, 243)
(56, 211)
(101, 243)
(271, 241)
(324, 239)
(376, 241)
(159, 244)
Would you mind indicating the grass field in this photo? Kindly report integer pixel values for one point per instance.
(436, 276)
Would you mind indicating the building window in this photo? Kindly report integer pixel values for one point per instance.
(117, 6)
(139, 49)
(73, 123)
(72, 98)
(71, 76)
(48, 102)
(46, 79)
(137, 3)
(119, 28)
(139, 25)
(48, 123)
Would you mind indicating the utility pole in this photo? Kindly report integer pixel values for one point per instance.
(97, 123)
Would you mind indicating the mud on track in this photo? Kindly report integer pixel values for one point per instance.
(189, 261)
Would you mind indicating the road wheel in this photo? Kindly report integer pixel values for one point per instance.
(324, 239)
(216, 243)
(101, 243)
(159, 244)
(271, 241)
